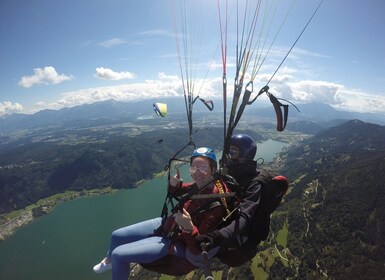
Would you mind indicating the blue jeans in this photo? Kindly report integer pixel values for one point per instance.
(135, 244)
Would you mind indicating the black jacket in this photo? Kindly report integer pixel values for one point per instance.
(250, 191)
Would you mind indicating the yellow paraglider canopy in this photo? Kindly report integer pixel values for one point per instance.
(160, 109)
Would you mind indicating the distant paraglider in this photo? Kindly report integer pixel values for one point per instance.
(160, 109)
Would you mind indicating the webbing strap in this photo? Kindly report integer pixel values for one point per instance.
(219, 186)
(171, 250)
(208, 103)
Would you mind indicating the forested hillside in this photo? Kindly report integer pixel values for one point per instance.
(336, 209)
(31, 169)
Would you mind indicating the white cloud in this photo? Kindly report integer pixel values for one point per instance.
(112, 42)
(336, 95)
(46, 75)
(8, 108)
(164, 76)
(358, 101)
(157, 32)
(315, 91)
(166, 86)
(108, 74)
(303, 52)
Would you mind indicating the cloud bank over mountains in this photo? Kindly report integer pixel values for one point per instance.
(165, 86)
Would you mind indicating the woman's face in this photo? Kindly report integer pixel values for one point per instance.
(200, 169)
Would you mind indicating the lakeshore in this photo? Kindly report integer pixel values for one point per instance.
(10, 222)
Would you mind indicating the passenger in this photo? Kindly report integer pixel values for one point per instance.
(139, 243)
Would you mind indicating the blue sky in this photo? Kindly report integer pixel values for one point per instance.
(57, 54)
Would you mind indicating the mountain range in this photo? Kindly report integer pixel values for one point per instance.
(111, 111)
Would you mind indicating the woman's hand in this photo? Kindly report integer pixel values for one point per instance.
(175, 180)
(183, 219)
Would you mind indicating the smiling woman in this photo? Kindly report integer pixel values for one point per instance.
(165, 240)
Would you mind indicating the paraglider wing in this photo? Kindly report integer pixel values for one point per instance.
(160, 109)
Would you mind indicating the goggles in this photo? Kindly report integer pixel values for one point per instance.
(202, 169)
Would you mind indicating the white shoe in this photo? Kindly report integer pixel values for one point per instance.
(102, 267)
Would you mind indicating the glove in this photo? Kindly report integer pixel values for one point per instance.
(212, 240)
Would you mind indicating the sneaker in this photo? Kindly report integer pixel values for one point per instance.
(102, 267)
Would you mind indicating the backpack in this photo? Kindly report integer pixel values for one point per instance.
(274, 187)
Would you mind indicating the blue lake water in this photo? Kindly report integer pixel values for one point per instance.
(66, 243)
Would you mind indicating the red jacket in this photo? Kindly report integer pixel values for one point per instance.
(206, 214)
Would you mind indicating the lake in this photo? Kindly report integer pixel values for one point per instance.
(70, 240)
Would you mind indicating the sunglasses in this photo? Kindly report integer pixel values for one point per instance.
(202, 169)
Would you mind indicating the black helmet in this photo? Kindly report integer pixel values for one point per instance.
(246, 144)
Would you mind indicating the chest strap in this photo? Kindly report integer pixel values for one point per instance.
(218, 184)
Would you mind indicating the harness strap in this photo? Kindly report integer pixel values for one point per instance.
(212, 195)
(219, 186)
(171, 250)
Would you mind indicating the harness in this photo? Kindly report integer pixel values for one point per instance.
(213, 200)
